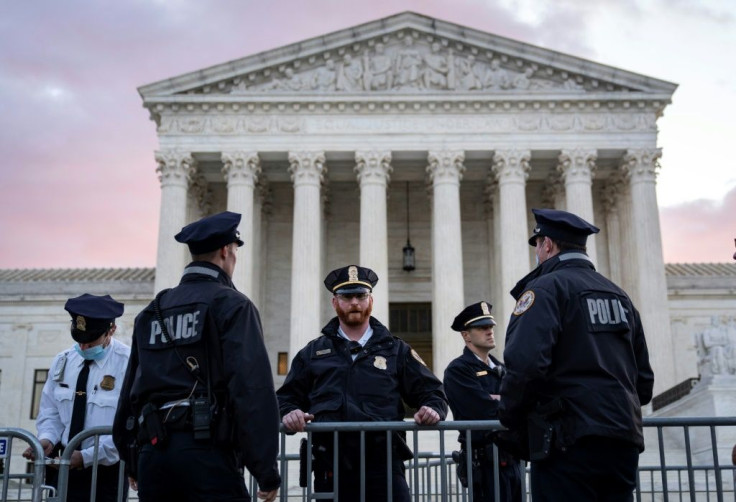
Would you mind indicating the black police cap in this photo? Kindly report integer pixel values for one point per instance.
(351, 279)
(561, 225)
(92, 316)
(211, 233)
(474, 316)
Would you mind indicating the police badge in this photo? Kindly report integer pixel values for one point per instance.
(108, 382)
(81, 323)
(380, 363)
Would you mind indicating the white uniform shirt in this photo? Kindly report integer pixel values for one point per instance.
(57, 399)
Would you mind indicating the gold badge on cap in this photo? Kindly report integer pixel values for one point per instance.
(108, 382)
(525, 302)
(81, 323)
(380, 363)
(484, 308)
(353, 273)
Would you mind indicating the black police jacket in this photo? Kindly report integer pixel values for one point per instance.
(325, 381)
(219, 329)
(575, 336)
(469, 382)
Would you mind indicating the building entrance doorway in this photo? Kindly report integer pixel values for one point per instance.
(412, 322)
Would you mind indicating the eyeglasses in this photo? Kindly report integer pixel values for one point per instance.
(361, 297)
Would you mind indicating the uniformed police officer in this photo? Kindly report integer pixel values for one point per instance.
(472, 382)
(578, 370)
(357, 371)
(199, 382)
(81, 392)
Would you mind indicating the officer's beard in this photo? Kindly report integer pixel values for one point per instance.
(354, 316)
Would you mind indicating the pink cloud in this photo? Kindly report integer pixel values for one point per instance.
(699, 231)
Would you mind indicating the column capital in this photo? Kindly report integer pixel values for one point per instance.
(175, 167)
(373, 166)
(611, 193)
(553, 189)
(307, 168)
(445, 166)
(641, 164)
(241, 167)
(199, 191)
(577, 165)
(511, 165)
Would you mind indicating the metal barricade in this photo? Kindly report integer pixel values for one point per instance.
(17, 481)
(685, 459)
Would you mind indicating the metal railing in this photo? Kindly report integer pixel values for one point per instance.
(685, 459)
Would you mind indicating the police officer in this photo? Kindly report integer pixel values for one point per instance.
(81, 392)
(578, 370)
(357, 371)
(472, 382)
(199, 382)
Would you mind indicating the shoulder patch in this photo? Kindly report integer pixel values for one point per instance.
(417, 357)
(526, 300)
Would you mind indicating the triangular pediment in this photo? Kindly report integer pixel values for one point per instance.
(406, 54)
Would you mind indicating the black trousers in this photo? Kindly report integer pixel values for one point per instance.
(80, 483)
(509, 481)
(349, 458)
(189, 470)
(594, 469)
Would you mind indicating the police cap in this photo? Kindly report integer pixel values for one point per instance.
(211, 233)
(474, 316)
(92, 316)
(351, 279)
(561, 225)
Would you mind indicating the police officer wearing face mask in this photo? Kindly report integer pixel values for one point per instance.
(357, 371)
(81, 392)
(472, 382)
(578, 370)
(198, 394)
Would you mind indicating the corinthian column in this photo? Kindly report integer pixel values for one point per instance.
(640, 166)
(577, 168)
(611, 195)
(374, 172)
(174, 171)
(241, 170)
(511, 168)
(307, 171)
(448, 296)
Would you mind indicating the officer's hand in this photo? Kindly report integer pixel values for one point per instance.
(133, 484)
(268, 496)
(77, 461)
(47, 447)
(296, 420)
(426, 416)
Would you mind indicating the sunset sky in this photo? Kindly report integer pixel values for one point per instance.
(78, 186)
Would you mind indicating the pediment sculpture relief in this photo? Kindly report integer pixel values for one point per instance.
(408, 64)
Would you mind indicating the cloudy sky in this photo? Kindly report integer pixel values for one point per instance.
(77, 175)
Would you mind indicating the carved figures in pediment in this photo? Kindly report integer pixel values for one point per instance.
(716, 347)
(412, 65)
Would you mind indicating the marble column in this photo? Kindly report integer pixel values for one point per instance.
(373, 169)
(611, 199)
(577, 168)
(640, 166)
(495, 241)
(174, 170)
(553, 193)
(241, 170)
(445, 171)
(307, 171)
(511, 169)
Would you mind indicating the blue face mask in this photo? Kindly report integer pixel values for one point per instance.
(93, 353)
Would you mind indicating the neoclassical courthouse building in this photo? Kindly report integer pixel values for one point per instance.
(403, 134)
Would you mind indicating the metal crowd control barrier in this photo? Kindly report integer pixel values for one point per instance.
(685, 459)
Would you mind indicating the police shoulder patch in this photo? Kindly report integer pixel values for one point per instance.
(417, 357)
(526, 300)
